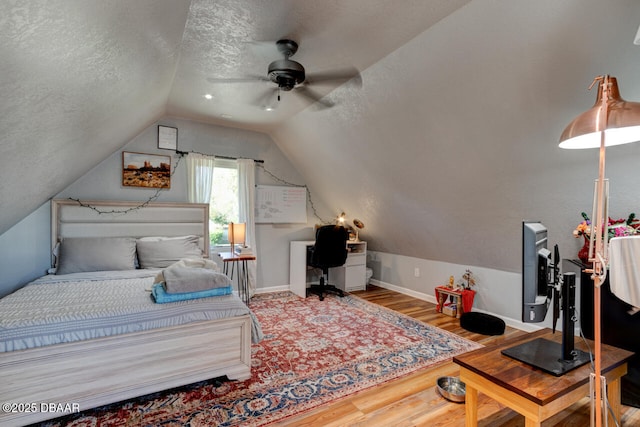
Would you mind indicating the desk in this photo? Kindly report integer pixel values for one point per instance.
(243, 272)
(529, 391)
(351, 276)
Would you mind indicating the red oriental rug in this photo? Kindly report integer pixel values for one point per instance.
(313, 353)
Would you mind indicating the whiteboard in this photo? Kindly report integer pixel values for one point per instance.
(281, 204)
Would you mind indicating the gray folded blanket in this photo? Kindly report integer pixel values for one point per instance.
(189, 276)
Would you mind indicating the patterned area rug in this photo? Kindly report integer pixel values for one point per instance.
(313, 353)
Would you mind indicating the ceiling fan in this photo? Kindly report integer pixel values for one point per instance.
(290, 75)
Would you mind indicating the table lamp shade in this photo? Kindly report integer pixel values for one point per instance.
(622, 124)
(237, 233)
(624, 268)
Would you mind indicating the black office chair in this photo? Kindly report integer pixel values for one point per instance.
(330, 250)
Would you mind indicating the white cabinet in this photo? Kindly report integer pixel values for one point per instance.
(298, 266)
(350, 277)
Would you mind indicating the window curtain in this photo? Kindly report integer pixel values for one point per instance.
(199, 177)
(246, 212)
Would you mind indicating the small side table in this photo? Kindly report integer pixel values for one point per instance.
(464, 299)
(531, 391)
(243, 272)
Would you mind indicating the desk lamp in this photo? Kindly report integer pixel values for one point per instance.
(611, 121)
(359, 226)
(237, 234)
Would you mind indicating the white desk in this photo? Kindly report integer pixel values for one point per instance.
(352, 276)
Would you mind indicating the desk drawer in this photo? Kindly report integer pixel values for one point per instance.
(356, 259)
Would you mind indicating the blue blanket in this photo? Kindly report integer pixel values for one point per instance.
(161, 296)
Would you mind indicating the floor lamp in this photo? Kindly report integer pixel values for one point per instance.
(611, 121)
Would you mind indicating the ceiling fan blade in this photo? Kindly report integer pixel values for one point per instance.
(266, 100)
(313, 97)
(248, 79)
(335, 76)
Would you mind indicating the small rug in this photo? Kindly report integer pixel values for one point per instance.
(313, 353)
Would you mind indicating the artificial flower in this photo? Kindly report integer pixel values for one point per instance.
(615, 227)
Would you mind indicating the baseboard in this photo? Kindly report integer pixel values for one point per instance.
(527, 327)
(271, 289)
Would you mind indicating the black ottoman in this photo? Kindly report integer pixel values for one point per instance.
(482, 323)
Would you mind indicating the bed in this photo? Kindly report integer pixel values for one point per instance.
(105, 358)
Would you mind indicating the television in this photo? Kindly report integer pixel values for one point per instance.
(542, 284)
(536, 272)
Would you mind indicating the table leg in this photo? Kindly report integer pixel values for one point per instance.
(471, 407)
(243, 282)
(613, 396)
(528, 422)
(441, 299)
(458, 306)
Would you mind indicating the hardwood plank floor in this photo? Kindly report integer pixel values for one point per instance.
(413, 401)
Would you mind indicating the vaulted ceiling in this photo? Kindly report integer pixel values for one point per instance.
(440, 143)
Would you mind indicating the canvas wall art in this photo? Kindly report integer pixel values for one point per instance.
(146, 170)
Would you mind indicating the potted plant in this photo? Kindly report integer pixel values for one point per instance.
(467, 282)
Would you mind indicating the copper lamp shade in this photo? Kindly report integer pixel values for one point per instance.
(622, 125)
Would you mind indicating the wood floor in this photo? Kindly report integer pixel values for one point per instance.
(414, 400)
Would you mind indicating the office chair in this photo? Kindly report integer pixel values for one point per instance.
(330, 250)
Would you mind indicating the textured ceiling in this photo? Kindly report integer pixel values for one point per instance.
(231, 39)
(448, 143)
(80, 78)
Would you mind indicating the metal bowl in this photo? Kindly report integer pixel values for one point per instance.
(451, 388)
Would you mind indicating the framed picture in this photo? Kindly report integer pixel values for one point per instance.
(167, 137)
(146, 170)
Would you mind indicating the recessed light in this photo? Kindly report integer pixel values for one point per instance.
(208, 96)
(268, 108)
(225, 116)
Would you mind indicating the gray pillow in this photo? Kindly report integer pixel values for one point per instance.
(161, 252)
(77, 254)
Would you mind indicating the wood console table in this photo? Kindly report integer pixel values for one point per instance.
(530, 391)
(463, 302)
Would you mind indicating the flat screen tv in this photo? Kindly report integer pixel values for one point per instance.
(536, 272)
(541, 284)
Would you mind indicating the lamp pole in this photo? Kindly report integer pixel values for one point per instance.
(611, 121)
(599, 257)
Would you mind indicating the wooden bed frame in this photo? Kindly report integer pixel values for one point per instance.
(85, 374)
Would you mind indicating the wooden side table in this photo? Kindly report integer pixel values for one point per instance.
(530, 391)
(461, 298)
(233, 259)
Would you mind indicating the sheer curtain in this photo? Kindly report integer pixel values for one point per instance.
(199, 177)
(246, 212)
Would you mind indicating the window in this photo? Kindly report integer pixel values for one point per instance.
(223, 206)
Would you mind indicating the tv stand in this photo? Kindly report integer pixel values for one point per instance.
(552, 357)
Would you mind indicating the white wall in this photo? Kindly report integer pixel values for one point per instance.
(104, 182)
(497, 292)
(24, 249)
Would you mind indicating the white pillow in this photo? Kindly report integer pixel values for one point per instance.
(77, 254)
(161, 252)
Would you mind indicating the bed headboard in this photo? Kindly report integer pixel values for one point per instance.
(70, 219)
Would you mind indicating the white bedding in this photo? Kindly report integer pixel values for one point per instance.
(64, 308)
